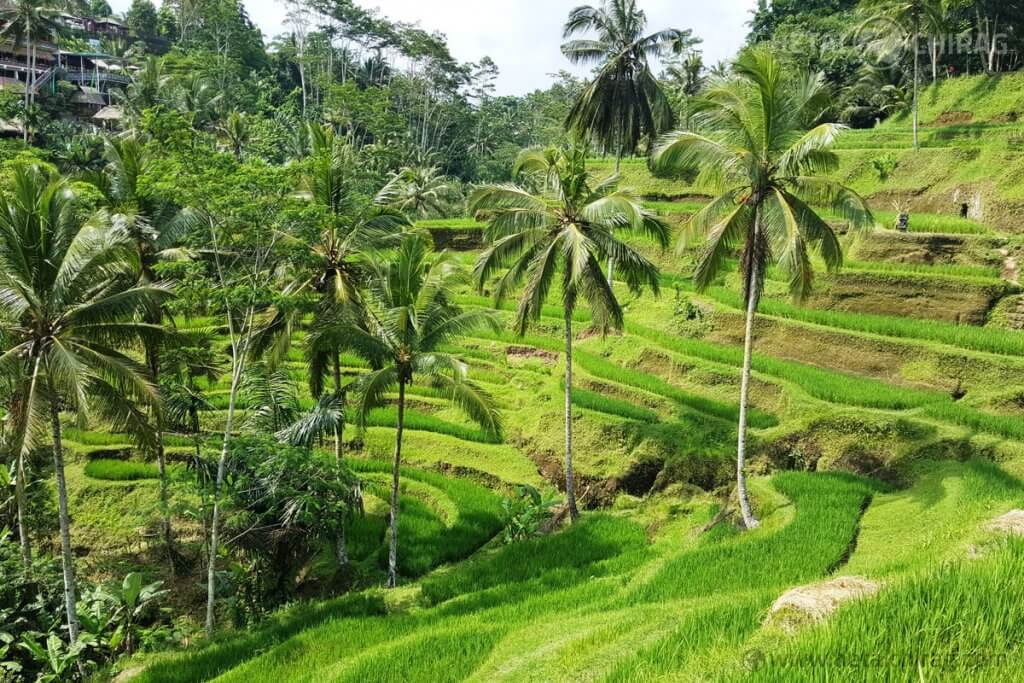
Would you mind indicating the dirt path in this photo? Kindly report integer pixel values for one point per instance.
(1011, 269)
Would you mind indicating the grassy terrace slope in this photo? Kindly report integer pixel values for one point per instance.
(971, 154)
(599, 602)
(896, 390)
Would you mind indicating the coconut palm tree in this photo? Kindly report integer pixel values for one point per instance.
(236, 132)
(416, 190)
(327, 274)
(155, 230)
(896, 26)
(28, 22)
(150, 86)
(562, 234)
(409, 316)
(625, 102)
(757, 137)
(71, 290)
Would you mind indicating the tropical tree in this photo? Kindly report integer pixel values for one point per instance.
(198, 98)
(562, 234)
(326, 276)
(625, 102)
(758, 138)
(236, 132)
(417, 190)
(72, 293)
(896, 26)
(150, 86)
(155, 230)
(28, 22)
(410, 315)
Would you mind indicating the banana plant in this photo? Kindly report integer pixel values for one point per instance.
(58, 658)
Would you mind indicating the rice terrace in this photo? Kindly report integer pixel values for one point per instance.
(516, 341)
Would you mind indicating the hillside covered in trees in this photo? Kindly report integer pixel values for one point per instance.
(321, 360)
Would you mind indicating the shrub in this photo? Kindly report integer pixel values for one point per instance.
(526, 512)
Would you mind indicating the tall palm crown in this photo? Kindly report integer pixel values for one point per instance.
(756, 139)
(898, 26)
(410, 315)
(759, 143)
(563, 232)
(155, 229)
(70, 290)
(418, 190)
(330, 272)
(624, 103)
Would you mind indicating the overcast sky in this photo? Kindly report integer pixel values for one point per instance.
(522, 36)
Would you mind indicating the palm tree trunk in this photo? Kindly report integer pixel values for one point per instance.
(570, 480)
(70, 599)
(393, 539)
(158, 423)
(917, 78)
(339, 436)
(749, 520)
(22, 503)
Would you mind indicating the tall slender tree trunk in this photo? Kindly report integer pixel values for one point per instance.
(570, 479)
(338, 434)
(749, 520)
(395, 469)
(341, 552)
(161, 459)
(211, 571)
(20, 493)
(21, 501)
(28, 91)
(67, 560)
(917, 79)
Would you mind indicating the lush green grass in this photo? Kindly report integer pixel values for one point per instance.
(451, 224)
(424, 422)
(592, 400)
(557, 560)
(934, 519)
(427, 539)
(986, 339)
(934, 223)
(957, 271)
(828, 509)
(826, 385)
(99, 438)
(605, 369)
(580, 315)
(672, 208)
(206, 661)
(121, 470)
(976, 420)
(497, 462)
(961, 621)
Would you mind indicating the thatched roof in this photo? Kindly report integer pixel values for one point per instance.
(10, 127)
(109, 113)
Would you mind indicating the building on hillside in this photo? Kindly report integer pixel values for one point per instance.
(16, 65)
(93, 72)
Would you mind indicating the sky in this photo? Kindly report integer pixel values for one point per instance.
(523, 36)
